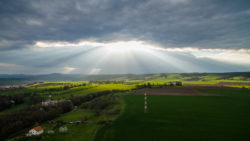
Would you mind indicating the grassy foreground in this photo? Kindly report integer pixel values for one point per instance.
(180, 118)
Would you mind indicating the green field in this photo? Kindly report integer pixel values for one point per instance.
(183, 118)
(75, 132)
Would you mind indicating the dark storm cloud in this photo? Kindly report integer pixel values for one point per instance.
(171, 23)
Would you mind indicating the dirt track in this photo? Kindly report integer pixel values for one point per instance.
(175, 91)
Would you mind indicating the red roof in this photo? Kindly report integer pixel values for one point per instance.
(38, 128)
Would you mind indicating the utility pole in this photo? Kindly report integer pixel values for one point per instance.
(145, 103)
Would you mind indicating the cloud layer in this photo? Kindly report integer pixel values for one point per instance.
(171, 23)
(78, 36)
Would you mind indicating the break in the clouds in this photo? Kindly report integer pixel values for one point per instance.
(120, 57)
(81, 36)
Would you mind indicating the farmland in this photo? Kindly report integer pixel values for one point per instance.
(183, 118)
(204, 107)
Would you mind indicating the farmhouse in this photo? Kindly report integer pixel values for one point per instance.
(35, 131)
(51, 102)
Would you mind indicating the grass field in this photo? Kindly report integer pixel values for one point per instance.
(183, 118)
(14, 108)
(75, 132)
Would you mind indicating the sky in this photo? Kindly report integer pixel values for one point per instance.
(124, 36)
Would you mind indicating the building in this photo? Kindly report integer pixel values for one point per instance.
(49, 102)
(35, 131)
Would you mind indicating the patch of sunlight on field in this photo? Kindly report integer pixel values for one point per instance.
(84, 90)
(115, 87)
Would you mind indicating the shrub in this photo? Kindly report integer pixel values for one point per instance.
(114, 112)
(63, 129)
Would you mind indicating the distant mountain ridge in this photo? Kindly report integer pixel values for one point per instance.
(19, 79)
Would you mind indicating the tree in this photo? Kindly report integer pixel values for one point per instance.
(149, 85)
(178, 83)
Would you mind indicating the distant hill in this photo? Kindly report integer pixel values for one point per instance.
(19, 79)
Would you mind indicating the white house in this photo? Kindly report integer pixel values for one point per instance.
(35, 131)
(51, 102)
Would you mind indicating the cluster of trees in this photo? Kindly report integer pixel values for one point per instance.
(156, 85)
(29, 98)
(107, 82)
(55, 89)
(99, 104)
(21, 119)
(66, 87)
(78, 100)
(8, 101)
(12, 88)
(34, 99)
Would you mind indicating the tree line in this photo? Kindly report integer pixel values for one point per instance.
(24, 118)
(9, 101)
(78, 100)
(108, 82)
(13, 122)
(157, 85)
(65, 87)
(11, 88)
